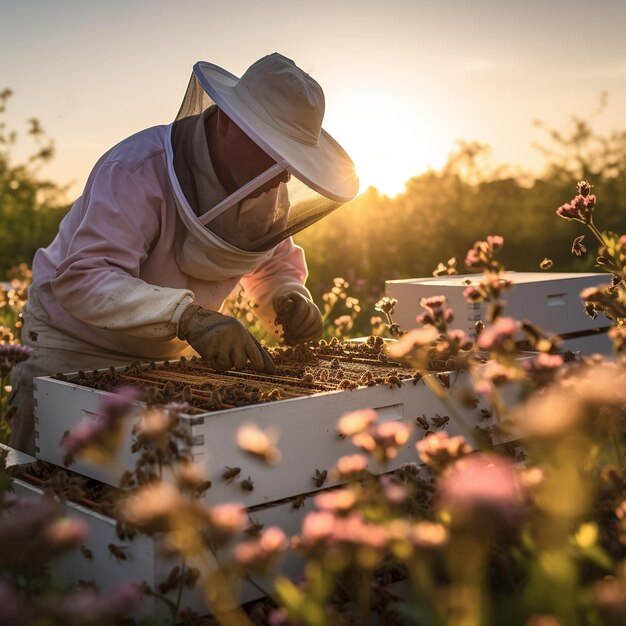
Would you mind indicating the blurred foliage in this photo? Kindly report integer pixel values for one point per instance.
(31, 207)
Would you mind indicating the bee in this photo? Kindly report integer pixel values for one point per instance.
(171, 582)
(255, 528)
(33, 335)
(485, 413)
(320, 477)
(347, 385)
(393, 381)
(230, 473)
(123, 531)
(127, 480)
(484, 436)
(191, 576)
(118, 552)
(444, 378)
(187, 393)
(247, 484)
(422, 421)
(86, 552)
(87, 584)
(182, 362)
(298, 503)
(308, 379)
(366, 377)
(274, 394)
(439, 421)
(168, 389)
(200, 490)
(61, 376)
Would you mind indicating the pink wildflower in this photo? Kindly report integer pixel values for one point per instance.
(152, 506)
(413, 340)
(11, 354)
(482, 489)
(65, 533)
(356, 422)
(351, 464)
(439, 449)
(228, 517)
(383, 439)
(392, 491)
(258, 443)
(317, 526)
(335, 500)
(473, 294)
(499, 335)
(580, 208)
(435, 312)
(543, 361)
(260, 553)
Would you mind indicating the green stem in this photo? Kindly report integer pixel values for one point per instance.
(616, 267)
(363, 598)
(619, 453)
(597, 233)
(179, 595)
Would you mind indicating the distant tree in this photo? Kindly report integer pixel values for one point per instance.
(441, 213)
(31, 207)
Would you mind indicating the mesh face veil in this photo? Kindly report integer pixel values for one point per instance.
(261, 213)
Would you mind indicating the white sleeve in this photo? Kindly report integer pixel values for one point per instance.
(283, 272)
(98, 281)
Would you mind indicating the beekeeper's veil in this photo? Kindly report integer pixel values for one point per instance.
(280, 108)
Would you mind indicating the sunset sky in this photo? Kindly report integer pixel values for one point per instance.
(404, 80)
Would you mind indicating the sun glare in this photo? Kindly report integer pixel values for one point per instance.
(390, 141)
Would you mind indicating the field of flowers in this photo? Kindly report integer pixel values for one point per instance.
(469, 534)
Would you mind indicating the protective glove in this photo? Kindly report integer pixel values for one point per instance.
(222, 340)
(300, 318)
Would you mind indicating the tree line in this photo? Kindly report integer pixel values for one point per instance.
(375, 237)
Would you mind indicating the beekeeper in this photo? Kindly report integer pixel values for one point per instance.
(173, 218)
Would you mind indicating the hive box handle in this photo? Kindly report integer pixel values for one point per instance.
(390, 413)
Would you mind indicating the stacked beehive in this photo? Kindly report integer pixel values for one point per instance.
(310, 390)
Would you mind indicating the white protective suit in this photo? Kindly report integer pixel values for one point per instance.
(108, 289)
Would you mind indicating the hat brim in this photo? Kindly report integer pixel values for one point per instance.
(325, 166)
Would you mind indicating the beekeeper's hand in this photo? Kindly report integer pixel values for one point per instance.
(222, 340)
(300, 318)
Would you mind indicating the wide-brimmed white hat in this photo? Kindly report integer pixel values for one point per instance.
(280, 107)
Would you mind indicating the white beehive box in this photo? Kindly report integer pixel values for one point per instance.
(307, 428)
(550, 300)
(145, 561)
(308, 441)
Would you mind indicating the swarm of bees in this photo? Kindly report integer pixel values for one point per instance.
(300, 370)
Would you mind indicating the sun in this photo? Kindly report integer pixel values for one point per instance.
(390, 142)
